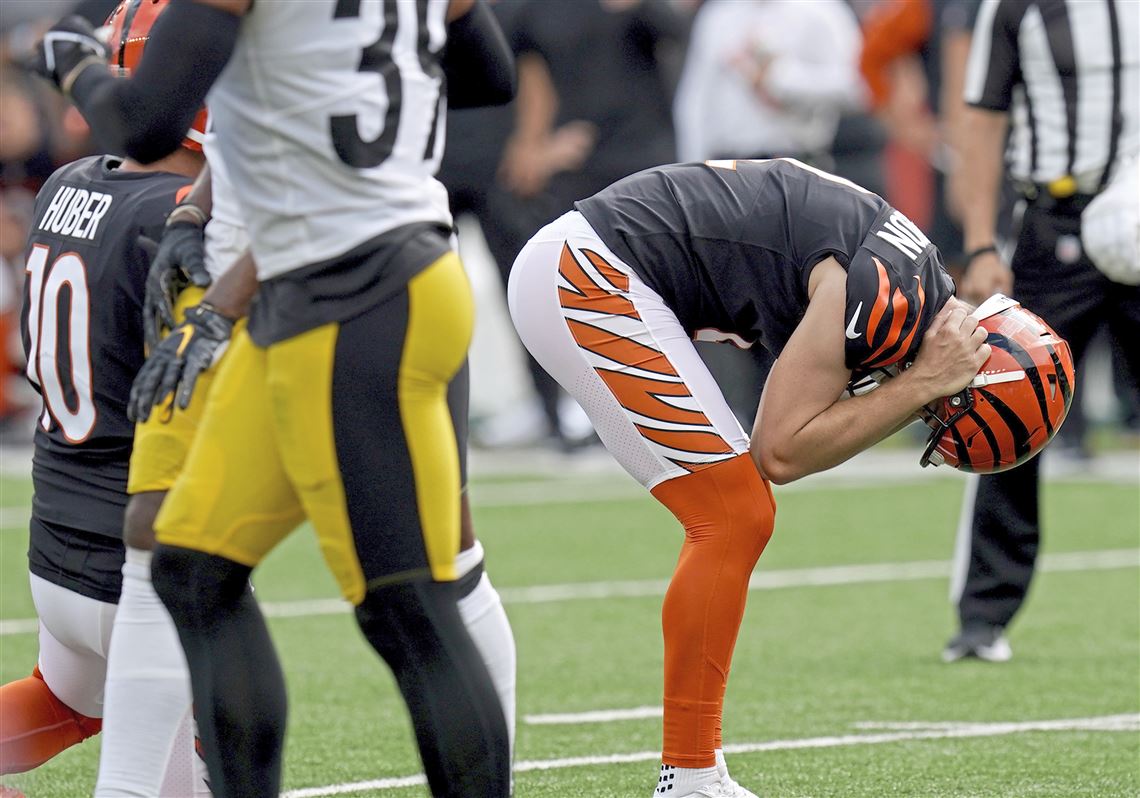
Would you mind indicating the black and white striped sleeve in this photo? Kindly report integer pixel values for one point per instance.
(994, 66)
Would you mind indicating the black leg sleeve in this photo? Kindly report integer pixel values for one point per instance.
(239, 690)
(458, 720)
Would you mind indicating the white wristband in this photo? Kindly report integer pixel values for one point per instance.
(196, 214)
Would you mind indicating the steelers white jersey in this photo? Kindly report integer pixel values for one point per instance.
(226, 238)
(330, 121)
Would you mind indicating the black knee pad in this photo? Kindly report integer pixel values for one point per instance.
(193, 584)
(466, 584)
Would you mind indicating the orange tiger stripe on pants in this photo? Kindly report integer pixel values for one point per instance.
(616, 347)
(641, 376)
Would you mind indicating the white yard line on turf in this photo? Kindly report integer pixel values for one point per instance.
(13, 519)
(1106, 723)
(596, 477)
(596, 716)
(1104, 560)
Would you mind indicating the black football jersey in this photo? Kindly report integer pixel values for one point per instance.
(730, 245)
(83, 334)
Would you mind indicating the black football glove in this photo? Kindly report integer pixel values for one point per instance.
(66, 49)
(179, 262)
(176, 363)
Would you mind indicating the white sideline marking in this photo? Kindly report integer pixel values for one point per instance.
(597, 716)
(15, 518)
(596, 477)
(1104, 560)
(21, 626)
(935, 731)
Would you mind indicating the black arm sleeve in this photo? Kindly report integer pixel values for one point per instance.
(146, 116)
(478, 62)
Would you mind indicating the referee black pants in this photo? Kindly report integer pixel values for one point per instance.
(1054, 279)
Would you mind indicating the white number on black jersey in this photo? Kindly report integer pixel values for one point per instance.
(45, 287)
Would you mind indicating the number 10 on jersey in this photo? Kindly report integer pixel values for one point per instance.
(76, 414)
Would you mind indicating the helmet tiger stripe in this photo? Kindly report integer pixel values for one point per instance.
(1017, 402)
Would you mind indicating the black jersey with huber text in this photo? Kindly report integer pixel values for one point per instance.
(82, 330)
(730, 245)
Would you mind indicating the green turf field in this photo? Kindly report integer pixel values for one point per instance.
(837, 689)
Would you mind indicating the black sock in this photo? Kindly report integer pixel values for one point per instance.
(455, 711)
(239, 690)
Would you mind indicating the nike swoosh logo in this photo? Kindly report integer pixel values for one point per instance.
(851, 327)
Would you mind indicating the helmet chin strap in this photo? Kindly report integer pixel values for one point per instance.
(962, 402)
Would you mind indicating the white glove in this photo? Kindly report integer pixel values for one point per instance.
(1110, 226)
(863, 382)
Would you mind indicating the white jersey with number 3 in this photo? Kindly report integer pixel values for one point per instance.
(330, 120)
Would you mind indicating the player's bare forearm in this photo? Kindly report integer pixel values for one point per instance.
(802, 426)
(537, 105)
(841, 431)
(201, 192)
(982, 168)
(524, 168)
(797, 408)
(233, 292)
(981, 174)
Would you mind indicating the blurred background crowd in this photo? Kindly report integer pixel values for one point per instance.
(868, 89)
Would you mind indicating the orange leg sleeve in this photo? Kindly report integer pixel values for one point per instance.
(35, 725)
(728, 514)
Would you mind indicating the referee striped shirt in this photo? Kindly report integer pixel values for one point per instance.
(1068, 71)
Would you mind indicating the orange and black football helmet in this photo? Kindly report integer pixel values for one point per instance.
(127, 31)
(1017, 402)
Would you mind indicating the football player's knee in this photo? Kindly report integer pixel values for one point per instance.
(35, 724)
(408, 621)
(741, 524)
(194, 585)
(739, 519)
(138, 520)
(756, 520)
(387, 614)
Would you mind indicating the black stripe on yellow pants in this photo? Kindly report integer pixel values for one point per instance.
(392, 437)
(348, 421)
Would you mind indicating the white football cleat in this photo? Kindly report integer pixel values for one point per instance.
(725, 788)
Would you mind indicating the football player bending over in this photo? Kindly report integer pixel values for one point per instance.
(83, 334)
(843, 289)
(332, 403)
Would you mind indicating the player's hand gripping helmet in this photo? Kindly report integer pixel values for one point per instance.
(1016, 403)
(127, 31)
